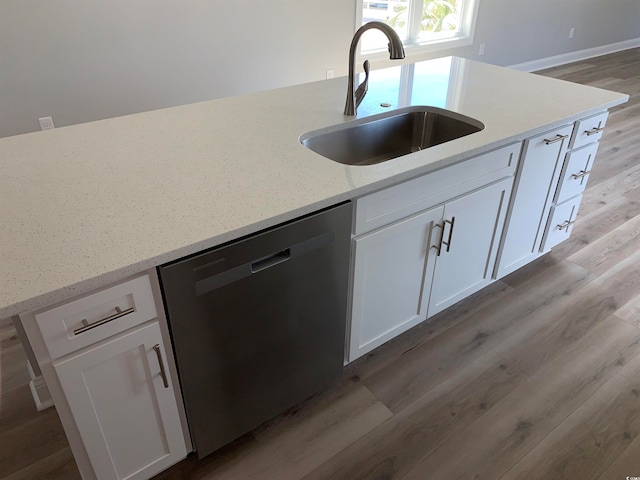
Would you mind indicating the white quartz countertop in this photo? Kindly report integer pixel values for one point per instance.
(88, 205)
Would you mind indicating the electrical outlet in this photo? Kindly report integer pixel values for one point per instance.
(329, 73)
(481, 49)
(572, 32)
(46, 123)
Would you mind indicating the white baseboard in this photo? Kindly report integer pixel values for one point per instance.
(549, 62)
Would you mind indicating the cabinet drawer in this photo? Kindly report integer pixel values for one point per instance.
(97, 316)
(561, 220)
(588, 130)
(575, 172)
(399, 201)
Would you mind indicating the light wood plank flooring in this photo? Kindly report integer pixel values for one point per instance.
(535, 377)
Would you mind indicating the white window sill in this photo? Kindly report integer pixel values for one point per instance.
(415, 52)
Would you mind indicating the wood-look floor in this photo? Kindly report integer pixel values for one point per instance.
(535, 377)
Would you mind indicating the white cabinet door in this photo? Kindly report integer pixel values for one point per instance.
(392, 278)
(536, 183)
(123, 405)
(472, 227)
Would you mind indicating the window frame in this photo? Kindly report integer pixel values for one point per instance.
(438, 41)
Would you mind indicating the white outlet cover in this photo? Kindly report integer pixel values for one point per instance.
(46, 123)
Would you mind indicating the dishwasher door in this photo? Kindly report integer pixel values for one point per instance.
(258, 325)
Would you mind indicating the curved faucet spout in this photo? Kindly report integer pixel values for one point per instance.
(396, 52)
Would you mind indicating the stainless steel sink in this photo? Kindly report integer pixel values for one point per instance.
(382, 137)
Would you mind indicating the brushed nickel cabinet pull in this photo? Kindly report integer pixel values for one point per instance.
(565, 225)
(556, 139)
(448, 242)
(88, 326)
(580, 174)
(594, 130)
(438, 247)
(163, 372)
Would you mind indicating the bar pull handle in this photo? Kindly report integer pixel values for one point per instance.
(580, 174)
(438, 247)
(565, 225)
(593, 131)
(452, 223)
(88, 326)
(163, 372)
(556, 139)
(271, 260)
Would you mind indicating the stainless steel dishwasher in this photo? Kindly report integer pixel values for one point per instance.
(258, 325)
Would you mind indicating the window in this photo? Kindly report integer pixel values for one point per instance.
(423, 25)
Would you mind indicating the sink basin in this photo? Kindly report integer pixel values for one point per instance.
(380, 138)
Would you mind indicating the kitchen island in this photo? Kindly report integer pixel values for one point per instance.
(93, 205)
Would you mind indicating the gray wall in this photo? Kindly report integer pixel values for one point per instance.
(518, 31)
(83, 60)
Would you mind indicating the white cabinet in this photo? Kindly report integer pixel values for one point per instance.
(469, 244)
(549, 184)
(573, 180)
(534, 188)
(122, 401)
(423, 245)
(107, 360)
(438, 246)
(391, 280)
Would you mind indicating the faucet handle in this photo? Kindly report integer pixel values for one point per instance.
(362, 89)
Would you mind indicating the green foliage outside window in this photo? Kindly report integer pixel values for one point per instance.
(437, 16)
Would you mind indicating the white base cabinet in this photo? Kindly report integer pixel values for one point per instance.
(554, 170)
(426, 259)
(428, 243)
(391, 280)
(107, 360)
(535, 186)
(122, 401)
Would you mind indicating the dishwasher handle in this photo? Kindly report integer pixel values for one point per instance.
(271, 260)
(239, 272)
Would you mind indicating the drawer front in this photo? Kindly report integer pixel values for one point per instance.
(575, 172)
(400, 201)
(561, 220)
(588, 130)
(97, 316)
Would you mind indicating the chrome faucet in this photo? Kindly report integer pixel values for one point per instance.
(396, 52)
